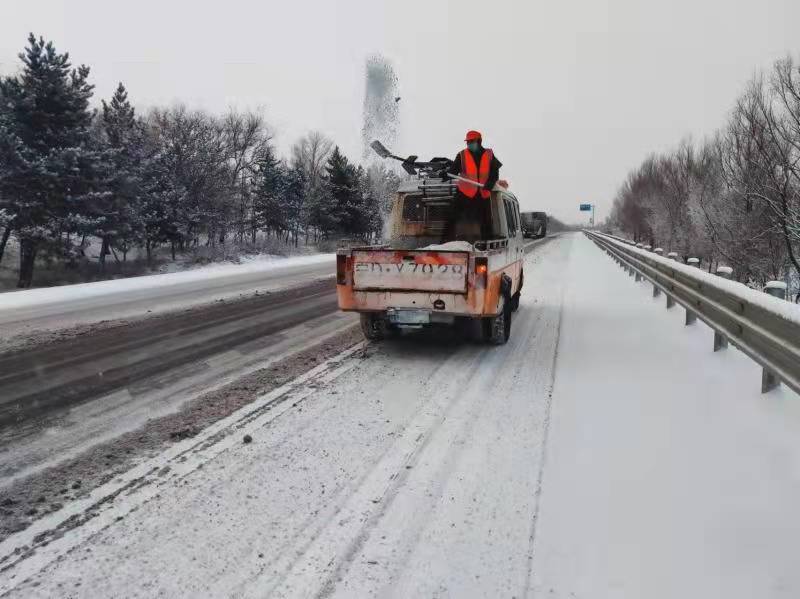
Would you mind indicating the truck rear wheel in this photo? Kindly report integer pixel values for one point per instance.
(374, 326)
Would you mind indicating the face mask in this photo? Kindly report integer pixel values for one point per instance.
(473, 146)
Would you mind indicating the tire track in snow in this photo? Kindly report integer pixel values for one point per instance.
(502, 441)
(333, 559)
(370, 489)
(472, 403)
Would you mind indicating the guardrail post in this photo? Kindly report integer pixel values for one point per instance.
(720, 340)
(670, 301)
(726, 272)
(769, 380)
(648, 247)
(691, 317)
(672, 255)
(638, 277)
(776, 289)
(656, 289)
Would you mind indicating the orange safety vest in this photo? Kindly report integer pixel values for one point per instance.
(470, 170)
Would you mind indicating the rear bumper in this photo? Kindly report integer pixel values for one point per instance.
(442, 307)
(417, 318)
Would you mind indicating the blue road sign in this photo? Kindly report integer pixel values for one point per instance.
(586, 207)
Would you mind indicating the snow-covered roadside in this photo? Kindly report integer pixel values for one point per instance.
(103, 289)
(668, 473)
(32, 316)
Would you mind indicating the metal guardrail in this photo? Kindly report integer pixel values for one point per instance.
(764, 327)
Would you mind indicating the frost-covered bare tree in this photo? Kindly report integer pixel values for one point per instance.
(310, 155)
(190, 174)
(780, 107)
(734, 198)
(246, 139)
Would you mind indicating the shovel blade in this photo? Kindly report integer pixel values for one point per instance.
(380, 150)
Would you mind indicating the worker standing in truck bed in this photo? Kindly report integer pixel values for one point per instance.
(471, 202)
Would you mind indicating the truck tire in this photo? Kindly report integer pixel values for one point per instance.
(374, 326)
(497, 329)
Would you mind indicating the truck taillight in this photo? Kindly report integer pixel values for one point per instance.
(481, 272)
(341, 269)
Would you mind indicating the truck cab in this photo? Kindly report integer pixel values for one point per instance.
(417, 279)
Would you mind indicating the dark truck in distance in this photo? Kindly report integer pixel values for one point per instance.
(534, 224)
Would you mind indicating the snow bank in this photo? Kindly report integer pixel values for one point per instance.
(52, 295)
(668, 473)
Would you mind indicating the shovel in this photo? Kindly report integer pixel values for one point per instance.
(410, 164)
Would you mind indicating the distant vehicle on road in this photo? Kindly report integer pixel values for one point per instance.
(534, 224)
(419, 279)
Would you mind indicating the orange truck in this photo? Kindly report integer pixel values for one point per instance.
(413, 281)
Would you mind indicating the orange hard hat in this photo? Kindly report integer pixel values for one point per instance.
(473, 135)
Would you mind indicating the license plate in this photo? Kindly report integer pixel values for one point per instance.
(397, 270)
(409, 316)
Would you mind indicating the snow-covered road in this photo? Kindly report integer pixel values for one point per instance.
(605, 451)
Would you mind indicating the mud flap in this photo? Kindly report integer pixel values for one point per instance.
(505, 286)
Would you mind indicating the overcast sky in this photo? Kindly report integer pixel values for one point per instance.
(571, 95)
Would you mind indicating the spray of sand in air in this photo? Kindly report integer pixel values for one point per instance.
(381, 106)
(380, 121)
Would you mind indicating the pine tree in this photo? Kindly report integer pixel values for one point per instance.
(122, 225)
(119, 120)
(270, 212)
(10, 160)
(52, 171)
(347, 212)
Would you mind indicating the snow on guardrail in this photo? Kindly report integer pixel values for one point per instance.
(764, 327)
